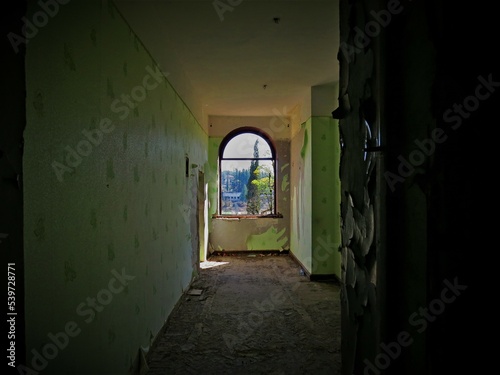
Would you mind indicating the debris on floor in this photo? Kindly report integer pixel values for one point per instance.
(258, 315)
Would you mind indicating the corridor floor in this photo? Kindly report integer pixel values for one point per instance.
(251, 315)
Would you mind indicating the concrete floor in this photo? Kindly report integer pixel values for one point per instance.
(255, 315)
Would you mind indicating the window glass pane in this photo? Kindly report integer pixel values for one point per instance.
(246, 193)
(243, 146)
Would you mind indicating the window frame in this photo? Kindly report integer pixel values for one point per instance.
(232, 134)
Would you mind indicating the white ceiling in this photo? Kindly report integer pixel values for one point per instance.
(226, 58)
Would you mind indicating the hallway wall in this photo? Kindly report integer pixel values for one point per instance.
(108, 204)
(13, 109)
(315, 194)
(326, 196)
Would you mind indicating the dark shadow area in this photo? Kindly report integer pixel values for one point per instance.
(13, 109)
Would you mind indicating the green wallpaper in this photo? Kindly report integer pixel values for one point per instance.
(326, 196)
(315, 184)
(108, 207)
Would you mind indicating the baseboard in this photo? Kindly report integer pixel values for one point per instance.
(248, 252)
(315, 277)
(325, 277)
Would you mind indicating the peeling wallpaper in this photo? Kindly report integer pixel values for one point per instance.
(108, 207)
(361, 196)
(269, 240)
(301, 196)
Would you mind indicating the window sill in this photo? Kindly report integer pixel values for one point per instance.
(239, 217)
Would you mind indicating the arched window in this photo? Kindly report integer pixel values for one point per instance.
(247, 170)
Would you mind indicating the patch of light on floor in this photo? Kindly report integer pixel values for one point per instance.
(209, 264)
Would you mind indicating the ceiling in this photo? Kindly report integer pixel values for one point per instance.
(251, 58)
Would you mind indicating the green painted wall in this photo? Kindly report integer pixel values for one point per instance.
(301, 195)
(326, 196)
(315, 195)
(123, 208)
(213, 166)
(271, 239)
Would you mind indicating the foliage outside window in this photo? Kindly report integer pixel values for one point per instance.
(247, 175)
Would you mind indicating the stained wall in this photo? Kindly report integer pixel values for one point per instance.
(109, 206)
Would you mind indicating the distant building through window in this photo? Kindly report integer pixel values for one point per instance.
(247, 169)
